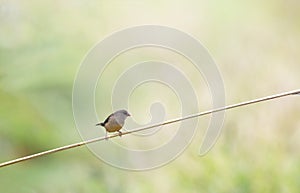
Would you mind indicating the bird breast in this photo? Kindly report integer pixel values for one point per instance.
(113, 126)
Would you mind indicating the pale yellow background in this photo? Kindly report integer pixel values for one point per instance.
(255, 44)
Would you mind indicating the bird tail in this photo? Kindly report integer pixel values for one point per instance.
(102, 124)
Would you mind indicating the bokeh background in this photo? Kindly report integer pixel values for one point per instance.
(255, 44)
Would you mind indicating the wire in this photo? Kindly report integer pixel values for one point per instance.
(62, 148)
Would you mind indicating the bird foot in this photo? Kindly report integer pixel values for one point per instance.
(120, 133)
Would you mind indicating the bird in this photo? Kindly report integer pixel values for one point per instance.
(115, 122)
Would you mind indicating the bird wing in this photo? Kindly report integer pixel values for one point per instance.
(107, 119)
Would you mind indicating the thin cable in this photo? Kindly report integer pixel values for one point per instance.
(295, 92)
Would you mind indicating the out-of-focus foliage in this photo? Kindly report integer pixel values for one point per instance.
(255, 43)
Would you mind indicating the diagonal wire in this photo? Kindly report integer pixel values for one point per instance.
(62, 148)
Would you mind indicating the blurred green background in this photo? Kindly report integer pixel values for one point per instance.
(255, 43)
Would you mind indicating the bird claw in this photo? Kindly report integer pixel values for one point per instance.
(120, 133)
(106, 136)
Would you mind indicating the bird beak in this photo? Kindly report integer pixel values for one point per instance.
(129, 115)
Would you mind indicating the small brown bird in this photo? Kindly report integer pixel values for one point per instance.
(115, 122)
